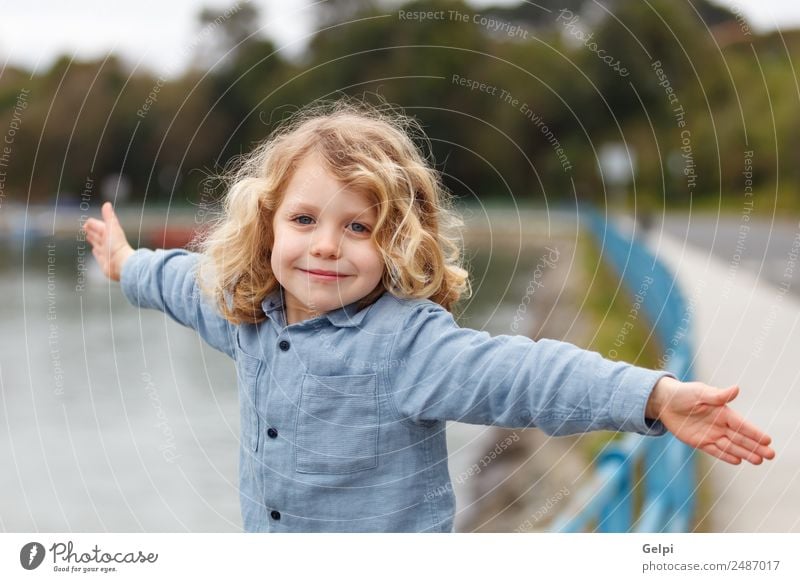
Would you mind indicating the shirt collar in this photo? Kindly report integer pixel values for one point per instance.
(347, 316)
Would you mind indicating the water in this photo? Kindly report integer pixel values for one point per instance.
(117, 419)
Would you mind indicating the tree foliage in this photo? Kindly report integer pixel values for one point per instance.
(552, 89)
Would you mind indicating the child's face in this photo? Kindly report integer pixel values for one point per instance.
(321, 226)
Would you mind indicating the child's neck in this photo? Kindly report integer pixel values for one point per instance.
(295, 313)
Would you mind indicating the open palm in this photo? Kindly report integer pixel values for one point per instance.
(109, 244)
(699, 415)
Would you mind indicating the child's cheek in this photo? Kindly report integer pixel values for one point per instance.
(276, 257)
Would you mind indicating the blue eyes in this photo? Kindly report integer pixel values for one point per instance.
(306, 220)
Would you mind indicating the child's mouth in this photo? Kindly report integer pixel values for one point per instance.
(324, 275)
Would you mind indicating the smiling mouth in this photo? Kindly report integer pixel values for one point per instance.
(327, 275)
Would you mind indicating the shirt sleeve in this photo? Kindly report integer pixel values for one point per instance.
(166, 280)
(453, 373)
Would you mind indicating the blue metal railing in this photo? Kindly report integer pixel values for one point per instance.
(662, 468)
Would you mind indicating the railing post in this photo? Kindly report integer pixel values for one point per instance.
(658, 472)
(682, 488)
(617, 514)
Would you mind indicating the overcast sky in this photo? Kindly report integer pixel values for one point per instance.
(154, 34)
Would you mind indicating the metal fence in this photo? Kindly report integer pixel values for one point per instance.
(641, 484)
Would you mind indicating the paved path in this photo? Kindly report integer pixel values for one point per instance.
(757, 244)
(747, 332)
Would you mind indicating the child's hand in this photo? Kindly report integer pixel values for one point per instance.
(698, 415)
(109, 245)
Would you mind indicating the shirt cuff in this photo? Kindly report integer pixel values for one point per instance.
(129, 277)
(630, 401)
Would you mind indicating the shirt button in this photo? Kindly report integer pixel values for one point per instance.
(276, 515)
(284, 345)
(272, 433)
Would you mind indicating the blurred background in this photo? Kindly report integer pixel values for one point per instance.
(678, 118)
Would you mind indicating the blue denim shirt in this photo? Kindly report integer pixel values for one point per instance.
(343, 415)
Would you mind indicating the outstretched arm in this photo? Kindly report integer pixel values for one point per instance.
(699, 415)
(158, 279)
(452, 373)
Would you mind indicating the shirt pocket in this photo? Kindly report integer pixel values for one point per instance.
(337, 424)
(248, 370)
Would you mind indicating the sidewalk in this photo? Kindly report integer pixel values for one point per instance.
(746, 332)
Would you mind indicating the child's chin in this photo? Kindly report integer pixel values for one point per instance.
(324, 305)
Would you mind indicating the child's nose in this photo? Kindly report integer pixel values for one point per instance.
(325, 244)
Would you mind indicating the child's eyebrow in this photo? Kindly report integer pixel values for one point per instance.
(306, 207)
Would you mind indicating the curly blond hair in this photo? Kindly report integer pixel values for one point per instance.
(369, 149)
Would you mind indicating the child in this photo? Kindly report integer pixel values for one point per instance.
(329, 279)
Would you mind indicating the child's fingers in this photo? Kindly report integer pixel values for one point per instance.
(715, 451)
(737, 423)
(760, 446)
(722, 397)
(94, 227)
(747, 454)
(113, 229)
(750, 444)
(109, 216)
(95, 233)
